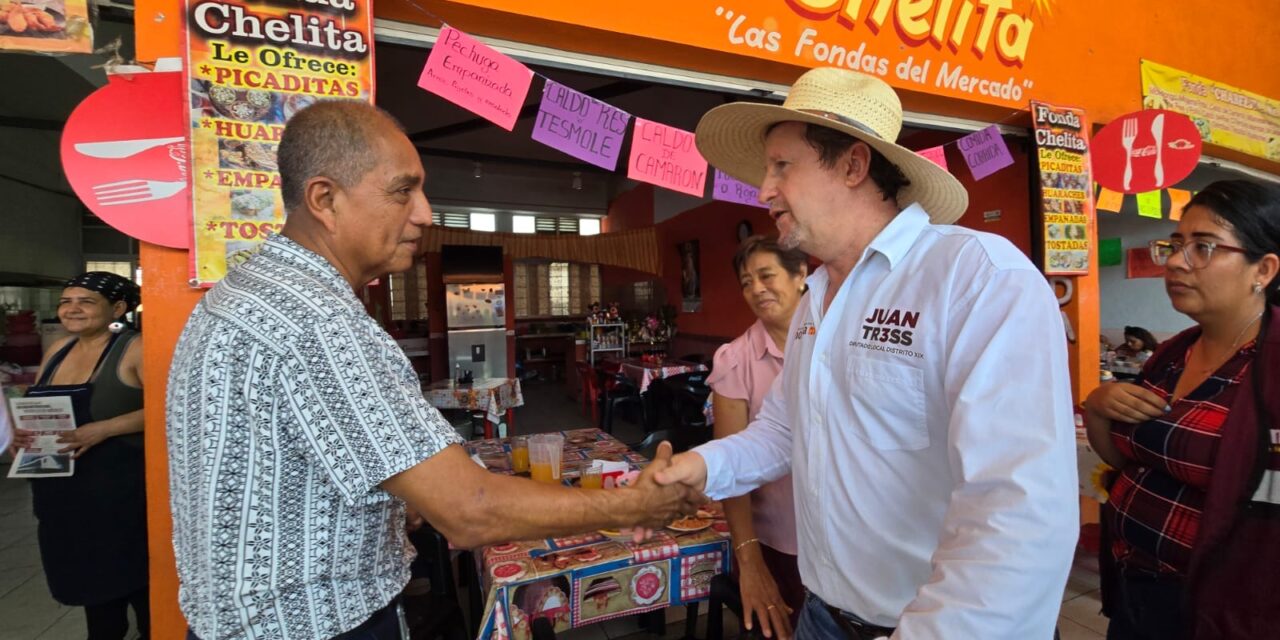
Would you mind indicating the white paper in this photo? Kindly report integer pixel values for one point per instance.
(6, 429)
(48, 417)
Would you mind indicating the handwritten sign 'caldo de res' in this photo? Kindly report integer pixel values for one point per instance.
(581, 126)
(667, 157)
(474, 76)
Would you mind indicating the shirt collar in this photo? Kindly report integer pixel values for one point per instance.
(761, 344)
(896, 239)
(283, 249)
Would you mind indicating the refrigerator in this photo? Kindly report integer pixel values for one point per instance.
(476, 320)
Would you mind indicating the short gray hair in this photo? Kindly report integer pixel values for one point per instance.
(333, 139)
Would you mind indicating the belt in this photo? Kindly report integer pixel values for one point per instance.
(854, 627)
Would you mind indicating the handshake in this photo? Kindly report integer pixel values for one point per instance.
(668, 488)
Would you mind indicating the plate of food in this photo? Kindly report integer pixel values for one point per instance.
(687, 525)
(242, 104)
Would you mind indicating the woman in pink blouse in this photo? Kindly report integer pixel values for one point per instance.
(763, 524)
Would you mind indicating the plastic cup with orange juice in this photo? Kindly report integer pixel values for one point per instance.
(545, 450)
(592, 478)
(519, 454)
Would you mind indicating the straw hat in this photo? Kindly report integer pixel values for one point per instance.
(731, 136)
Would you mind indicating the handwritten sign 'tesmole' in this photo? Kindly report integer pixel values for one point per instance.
(666, 156)
(581, 126)
(985, 152)
(473, 76)
(937, 155)
(729, 189)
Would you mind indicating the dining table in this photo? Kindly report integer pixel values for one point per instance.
(496, 397)
(644, 371)
(579, 580)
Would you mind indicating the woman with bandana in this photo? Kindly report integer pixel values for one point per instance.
(92, 525)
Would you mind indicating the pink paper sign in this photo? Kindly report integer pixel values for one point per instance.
(985, 152)
(730, 189)
(581, 126)
(473, 76)
(667, 157)
(936, 155)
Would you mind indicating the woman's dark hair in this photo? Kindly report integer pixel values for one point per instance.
(1252, 212)
(795, 261)
(1149, 342)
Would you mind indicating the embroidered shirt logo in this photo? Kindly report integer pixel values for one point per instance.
(806, 329)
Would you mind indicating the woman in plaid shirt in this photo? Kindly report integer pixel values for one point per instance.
(1194, 439)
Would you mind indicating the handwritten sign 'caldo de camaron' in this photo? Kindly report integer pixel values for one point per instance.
(666, 156)
(985, 152)
(474, 76)
(729, 189)
(581, 126)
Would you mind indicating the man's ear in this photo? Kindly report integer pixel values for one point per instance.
(856, 164)
(318, 196)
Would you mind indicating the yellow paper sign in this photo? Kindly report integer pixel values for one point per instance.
(1149, 205)
(1177, 201)
(1109, 200)
(1226, 116)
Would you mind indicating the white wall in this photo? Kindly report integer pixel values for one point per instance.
(1140, 301)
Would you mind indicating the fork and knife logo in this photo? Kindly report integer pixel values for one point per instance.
(1129, 134)
(135, 190)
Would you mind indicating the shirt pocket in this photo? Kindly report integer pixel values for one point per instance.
(887, 405)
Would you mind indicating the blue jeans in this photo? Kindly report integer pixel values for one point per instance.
(383, 625)
(816, 622)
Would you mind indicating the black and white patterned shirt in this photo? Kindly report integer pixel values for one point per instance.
(287, 406)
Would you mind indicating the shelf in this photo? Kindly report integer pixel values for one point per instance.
(608, 349)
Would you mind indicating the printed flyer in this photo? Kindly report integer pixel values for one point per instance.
(1066, 187)
(251, 66)
(48, 418)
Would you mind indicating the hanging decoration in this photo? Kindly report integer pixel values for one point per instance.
(581, 126)
(477, 78)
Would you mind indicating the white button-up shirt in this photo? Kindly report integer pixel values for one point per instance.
(926, 420)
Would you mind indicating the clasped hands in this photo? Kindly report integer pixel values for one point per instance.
(671, 487)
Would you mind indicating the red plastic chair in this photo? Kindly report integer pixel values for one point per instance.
(590, 392)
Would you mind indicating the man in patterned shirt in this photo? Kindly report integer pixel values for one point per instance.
(297, 429)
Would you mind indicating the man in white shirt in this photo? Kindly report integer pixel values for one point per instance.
(924, 408)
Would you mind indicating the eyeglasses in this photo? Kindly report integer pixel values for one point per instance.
(1197, 253)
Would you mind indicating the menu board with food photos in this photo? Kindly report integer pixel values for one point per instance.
(250, 67)
(1066, 187)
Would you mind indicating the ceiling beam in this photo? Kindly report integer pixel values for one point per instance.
(32, 123)
(604, 92)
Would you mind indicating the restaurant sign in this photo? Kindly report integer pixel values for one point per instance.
(1224, 115)
(1066, 193)
(972, 49)
(250, 67)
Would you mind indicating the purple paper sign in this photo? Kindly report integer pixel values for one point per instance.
(581, 126)
(985, 152)
(732, 190)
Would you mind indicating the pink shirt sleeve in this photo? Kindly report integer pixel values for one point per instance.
(727, 377)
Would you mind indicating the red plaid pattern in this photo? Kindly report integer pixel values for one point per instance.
(660, 547)
(690, 589)
(1155, 503)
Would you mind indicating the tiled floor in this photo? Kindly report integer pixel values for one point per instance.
(28, 613)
